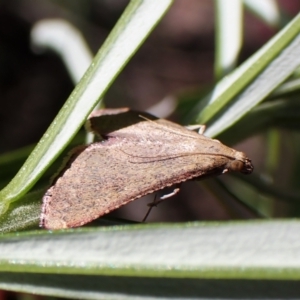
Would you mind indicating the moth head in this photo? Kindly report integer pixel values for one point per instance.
(241, 163)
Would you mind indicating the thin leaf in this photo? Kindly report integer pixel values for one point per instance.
(279, 113)
(23, 215)
(228, 35)
(67, 41)
(260, 74)
(266, 188)
(145, 288)
(260, 250)
(288, 87)
(266, 10)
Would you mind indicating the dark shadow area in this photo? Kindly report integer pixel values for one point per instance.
(100, 287)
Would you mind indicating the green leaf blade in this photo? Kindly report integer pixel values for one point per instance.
(279, 54)
(260, 250)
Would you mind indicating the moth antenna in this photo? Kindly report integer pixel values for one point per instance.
(169, 129)
(166, 157)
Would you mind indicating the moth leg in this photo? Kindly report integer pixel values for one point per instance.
(150, 205)
(155, 202)
(176, 191)
(198, 128)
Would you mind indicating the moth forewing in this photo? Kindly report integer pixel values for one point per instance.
(138, 156)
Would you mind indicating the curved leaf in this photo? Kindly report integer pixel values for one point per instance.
(260, 250)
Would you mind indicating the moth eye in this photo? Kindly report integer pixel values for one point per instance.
(236, 165)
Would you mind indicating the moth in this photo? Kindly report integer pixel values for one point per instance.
(139, 154)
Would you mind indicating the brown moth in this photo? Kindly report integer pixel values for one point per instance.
(139, 154)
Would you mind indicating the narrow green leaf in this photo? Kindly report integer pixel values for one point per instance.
(270, 66)
(269, 189)
(266, 10)
(260, 250)
(279, 113)
(229, 27)
(25, 215)
(147, 288)
(66, 40)
(288, 87)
